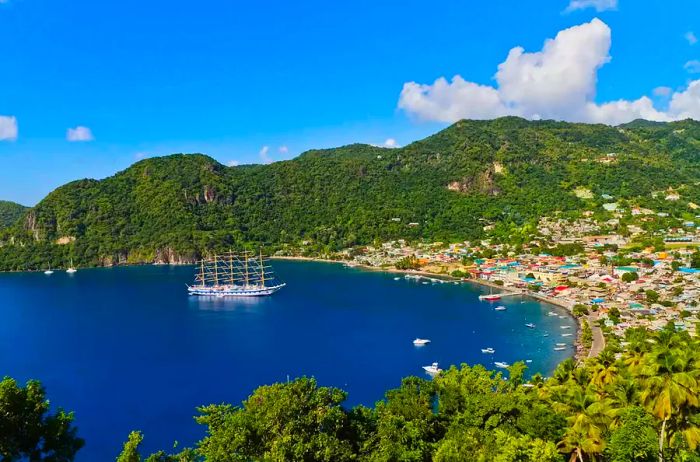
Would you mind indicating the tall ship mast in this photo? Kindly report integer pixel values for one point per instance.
(244, 274)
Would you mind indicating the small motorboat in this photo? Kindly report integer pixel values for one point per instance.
(559, 348)
(433, 369)
(490, 297)
(501, 365)
(421, 341)
(561, 344)
(552, 313)
(530, 325)
(566, 335)
(500, 308)
(565, 327)
(488, 350)
(397, 278)
(528, 361)
(545, 335)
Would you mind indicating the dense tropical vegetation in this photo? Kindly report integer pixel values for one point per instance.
(506, 172)
(640, 404)
(10, 212)
(28, 429)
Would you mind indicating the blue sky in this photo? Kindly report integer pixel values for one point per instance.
(263, 81)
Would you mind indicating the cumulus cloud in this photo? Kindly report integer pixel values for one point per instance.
(233, 163)
(265, 155)
(79, 133)
(8, 128)
(692, 66)
(283, 150)
(558, 82)
(691, 38)
(662, 91)
(390, 143)
(599, 5)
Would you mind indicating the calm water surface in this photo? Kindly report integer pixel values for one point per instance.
(126, 348)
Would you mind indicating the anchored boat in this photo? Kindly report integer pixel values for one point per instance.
(235, 275)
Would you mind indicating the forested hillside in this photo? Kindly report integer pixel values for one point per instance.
(10, 212)
(444, 187)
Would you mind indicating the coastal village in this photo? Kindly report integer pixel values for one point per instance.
(611, 277)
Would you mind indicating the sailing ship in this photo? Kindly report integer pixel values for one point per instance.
(235, 275)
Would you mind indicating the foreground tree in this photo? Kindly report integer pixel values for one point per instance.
(29, 431)
(131, 453)
(670, 379)
(295, 421)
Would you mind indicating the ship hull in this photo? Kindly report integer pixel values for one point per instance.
(233, 291)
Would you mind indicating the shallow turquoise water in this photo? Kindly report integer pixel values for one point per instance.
(126, 348)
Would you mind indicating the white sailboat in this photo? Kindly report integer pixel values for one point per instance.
(234, 275)
(71, 269)
(48, 271)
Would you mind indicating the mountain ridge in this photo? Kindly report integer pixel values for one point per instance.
(446, 186)
(10, 212)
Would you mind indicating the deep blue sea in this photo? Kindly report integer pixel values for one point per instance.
(128, 349)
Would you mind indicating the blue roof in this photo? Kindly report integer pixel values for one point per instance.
(689, 270)
(598, 300)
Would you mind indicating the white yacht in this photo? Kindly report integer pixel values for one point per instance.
(433, 369)
(530, 325)
(421, 341)
(500, 308)
(488, 350)
(501, 364)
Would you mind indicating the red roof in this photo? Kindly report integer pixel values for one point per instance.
(561, 288)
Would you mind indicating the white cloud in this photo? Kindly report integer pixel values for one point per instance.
(692, 66)
(558, 82)
(79, 133)
(691, 38)
(599, 5)
(283, 150)
(8, 128)
(662, 91)
(265, 155)
(686, 104)
(233, 163)
(390, 143)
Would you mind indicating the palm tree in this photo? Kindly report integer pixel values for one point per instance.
(591, 416)
(605, 370)
(582, 439)
(670, 379)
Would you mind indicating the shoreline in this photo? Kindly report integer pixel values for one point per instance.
(580, 353)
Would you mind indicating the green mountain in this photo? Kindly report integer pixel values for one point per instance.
(506, 171)
(10, 212)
